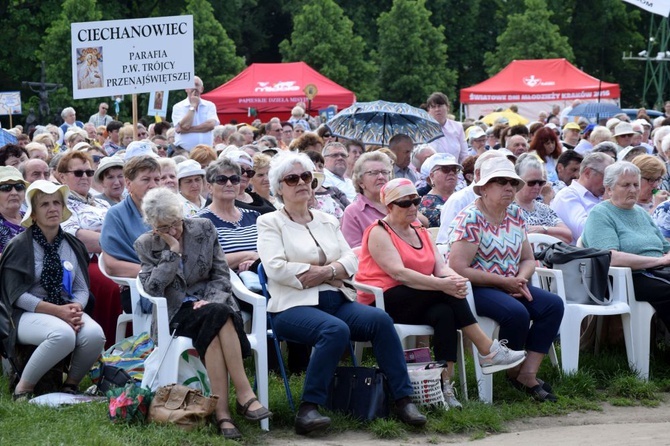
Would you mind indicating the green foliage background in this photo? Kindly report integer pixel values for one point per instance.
(385, 49)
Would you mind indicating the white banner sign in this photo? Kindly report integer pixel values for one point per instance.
(10, 103)
(117, 57)
(660, 7)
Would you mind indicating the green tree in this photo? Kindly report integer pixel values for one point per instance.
(530, 35)
(57, 53)
(215, 58)
(411, 54)
(323, 37)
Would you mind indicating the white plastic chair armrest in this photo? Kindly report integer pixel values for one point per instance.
(375, 291)
(161, 313)
(258, 302)
(555, 277)
(622, 285)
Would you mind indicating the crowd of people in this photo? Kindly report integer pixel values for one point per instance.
(181, 203)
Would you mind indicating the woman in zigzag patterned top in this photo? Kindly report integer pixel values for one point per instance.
(489, 246)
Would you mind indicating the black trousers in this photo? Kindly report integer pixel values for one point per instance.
(443, 312)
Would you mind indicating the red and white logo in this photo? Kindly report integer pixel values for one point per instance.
(265, 87)
(533, 81)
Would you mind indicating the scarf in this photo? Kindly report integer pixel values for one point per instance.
(52, 268)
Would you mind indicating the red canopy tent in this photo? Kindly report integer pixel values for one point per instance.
(273, 89)
(535, 85)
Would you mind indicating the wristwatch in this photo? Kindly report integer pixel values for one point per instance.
(546, 229)
(192, 108)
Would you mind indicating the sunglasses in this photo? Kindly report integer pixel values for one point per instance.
(19, 187)
(407, 203)
(97, 158)
(222, 180)
(505, 181)
(327, 135)
(294, 179)
(249, 173)
(80, 173)
(532, 183)
(448, 169)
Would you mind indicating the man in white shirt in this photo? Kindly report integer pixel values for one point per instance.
(101, 118)
(453, 141)
(335, 156)
(461, 199)
(573, 203)
(194, 119)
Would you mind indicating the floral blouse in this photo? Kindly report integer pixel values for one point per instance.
(87, 213)
(543, 215)
(8, 231)
(431, 208)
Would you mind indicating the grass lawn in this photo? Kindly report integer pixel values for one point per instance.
(602, 377)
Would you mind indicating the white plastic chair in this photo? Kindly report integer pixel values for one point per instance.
(552, 280)
(141, 322)
(167, 374)
(640, 314)
(406, 332)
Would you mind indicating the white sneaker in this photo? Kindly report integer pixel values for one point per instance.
(500, 358)
(450, 395)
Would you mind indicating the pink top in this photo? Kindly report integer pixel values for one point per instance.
(357, 216)
(421, 260)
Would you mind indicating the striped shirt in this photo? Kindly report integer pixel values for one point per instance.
(233, 237)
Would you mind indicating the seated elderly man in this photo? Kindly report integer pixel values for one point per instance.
(335, 154)
(573, 203)
(517, 144)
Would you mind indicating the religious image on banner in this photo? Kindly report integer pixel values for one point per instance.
(158, 101)
(89, 68)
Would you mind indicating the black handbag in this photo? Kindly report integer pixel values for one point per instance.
(112, 377)
(360, 392)
(585, 272)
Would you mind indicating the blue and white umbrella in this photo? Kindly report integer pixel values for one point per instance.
(595, 110)
(375, 123)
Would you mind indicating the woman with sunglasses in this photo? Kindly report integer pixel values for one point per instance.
(182, 260)
(306, 258)
(399, 256)
(245, 198)
(441, 171)
(75, 170)
(540, 218)
(489, 246)
(12, 194)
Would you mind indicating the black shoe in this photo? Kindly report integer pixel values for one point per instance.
(312, 421)
(410, 414)
(518, 386)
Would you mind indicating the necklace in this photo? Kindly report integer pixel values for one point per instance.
(232, 221)
(489, 215)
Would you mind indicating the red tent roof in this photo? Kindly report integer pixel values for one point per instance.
(539, 80)
(273, 90)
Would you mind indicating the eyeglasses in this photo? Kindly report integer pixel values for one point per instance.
(327, 135)
(375, 173)
(407, 203)
(97, 158)
(336, 155)
(505, 181)
(533, 183)
(165, 229)
(448, 169)
(19, 187)
(287, 132)
(222, 180)
(80, 173)
(249, 173)
(104, 108)
(293, 179)
(653, 180)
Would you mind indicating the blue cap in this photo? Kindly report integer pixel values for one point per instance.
(588, 129)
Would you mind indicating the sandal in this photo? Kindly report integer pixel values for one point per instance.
(23, 397)
(539, 394)
(230, 433)
(253, 415)
(518, 386)
(71, 389)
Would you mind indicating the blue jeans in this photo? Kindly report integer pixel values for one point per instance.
(329, 327)
(514, 316)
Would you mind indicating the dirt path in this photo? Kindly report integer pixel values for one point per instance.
(613, 425)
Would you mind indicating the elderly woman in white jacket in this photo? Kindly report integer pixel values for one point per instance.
(306, 258)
